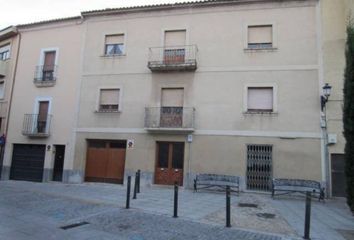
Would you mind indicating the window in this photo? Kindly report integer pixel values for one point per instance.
(175, 42)
(109, 100)
(260, 36)
(5, 52)
(48, 66)
(260, 99)
(114, 44)
(171, 114)
(2, 89)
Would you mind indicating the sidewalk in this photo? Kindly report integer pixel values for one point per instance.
(205, 211)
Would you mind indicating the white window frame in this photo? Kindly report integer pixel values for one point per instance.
(265, 23)
(119, 100)
(36, 108)
(42, 55)
(260, 85)
(9, 49)
(181, 28)
(103, 42)
(42, 99)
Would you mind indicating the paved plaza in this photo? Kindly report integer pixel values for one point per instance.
(39, 210)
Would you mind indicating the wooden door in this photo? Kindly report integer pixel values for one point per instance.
(169, 163)
(105, 161)
(42, 116)
(339, 182)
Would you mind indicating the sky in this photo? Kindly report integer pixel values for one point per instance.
(15, 12)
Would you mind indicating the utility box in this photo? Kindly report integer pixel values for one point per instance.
(332, 138)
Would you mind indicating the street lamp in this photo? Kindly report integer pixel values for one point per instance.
(324, 99)
(326, 93)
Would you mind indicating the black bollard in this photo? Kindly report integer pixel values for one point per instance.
(307, 216)
(228, 208)
(175, 202)
(127, 204)
(135, 185)
(139, 173)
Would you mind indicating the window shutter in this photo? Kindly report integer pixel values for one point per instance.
(260, 34)
(115, 39)
(49, 60)
(109, 97)
(260, 98)
(175, 38)
(2, 90)
(172, 97)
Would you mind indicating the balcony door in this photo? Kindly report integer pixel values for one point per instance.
(48, 66)
(171, 115)
(169, 163)
(43, 107)
(174, 51)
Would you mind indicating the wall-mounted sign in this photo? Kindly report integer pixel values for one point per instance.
(130, 144)
(190, 138)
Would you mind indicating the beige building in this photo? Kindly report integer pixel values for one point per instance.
(335, 17)
(224, 87)
(9, 42)
(43, 108)
(239, 95)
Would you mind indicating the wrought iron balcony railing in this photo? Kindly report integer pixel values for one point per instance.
(173, 58)
(45, 75)
(169, 118)
(3, 67)
(35, 125)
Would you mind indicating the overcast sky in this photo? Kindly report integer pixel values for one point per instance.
(15, 12)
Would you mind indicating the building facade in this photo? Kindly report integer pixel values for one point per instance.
(188, 97)
(40, 133)
(223, 87)
(9, 42)
(335, 18)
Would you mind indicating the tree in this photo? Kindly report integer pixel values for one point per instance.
(348, 115)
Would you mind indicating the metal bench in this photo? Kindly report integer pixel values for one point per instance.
(282, 186)
(204, 181)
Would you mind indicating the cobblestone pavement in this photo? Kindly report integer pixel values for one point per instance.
(38, 210)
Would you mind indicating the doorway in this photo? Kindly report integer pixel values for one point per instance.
(171, 115)
(169, 163)
(42, 116)
(58, 163)
(105, 161)
(339, 182)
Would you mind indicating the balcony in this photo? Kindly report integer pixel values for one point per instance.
(173, 58)
(35, 125)
(3, 68)
(169, 119)
(45, 76)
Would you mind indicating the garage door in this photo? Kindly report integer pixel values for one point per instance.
(27, 162)
(105, 161)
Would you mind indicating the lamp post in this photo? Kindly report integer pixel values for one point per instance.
(324, 99)
(327, 89)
